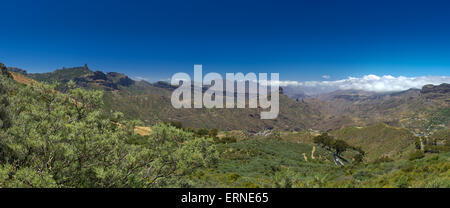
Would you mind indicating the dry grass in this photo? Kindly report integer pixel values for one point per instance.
(22, 79)
(143, 130)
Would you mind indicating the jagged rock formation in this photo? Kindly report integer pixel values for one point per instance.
(86, 78)
(109, 81)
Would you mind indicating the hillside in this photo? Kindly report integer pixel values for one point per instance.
(272, 163)
(378, 140)
(56, 142)
(51, 139)
(154, 107)
(20, 77)
(151, 103)
(61, 75)
(421, 111)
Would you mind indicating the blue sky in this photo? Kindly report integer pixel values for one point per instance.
(302, 40)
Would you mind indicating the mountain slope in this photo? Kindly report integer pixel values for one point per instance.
(155, 105)
(422, 111)
(50, 127)
(378, 140)
(61, 75)
(151, 103)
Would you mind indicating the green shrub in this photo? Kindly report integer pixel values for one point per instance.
(382, 159)
(362, 175)
(402, 182)
(233, 177)
(225, 140)
(416, 155)
(66, 140)
(176, 124)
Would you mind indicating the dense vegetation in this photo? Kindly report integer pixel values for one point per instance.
(378, 140)
(50, 139)
(54, 139)
(271, 162)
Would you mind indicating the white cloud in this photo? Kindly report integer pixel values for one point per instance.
(374, 83)
(137, 78)
(326, 76)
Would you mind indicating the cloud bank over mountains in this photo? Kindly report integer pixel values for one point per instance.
(372, 83)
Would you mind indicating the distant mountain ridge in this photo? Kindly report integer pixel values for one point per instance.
(150, 102)
(84, 77)
(419, 110)
(414, 109)
(389, 152)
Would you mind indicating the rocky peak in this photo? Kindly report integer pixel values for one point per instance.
(442, 88)
(98, 75)
(125, 81)
(109, 81)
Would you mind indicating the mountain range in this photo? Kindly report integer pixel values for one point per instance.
(394, 135)
(420, 110)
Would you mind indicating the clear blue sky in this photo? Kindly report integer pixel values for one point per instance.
(302, 40)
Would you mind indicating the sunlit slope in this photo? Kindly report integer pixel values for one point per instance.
(378, 140)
